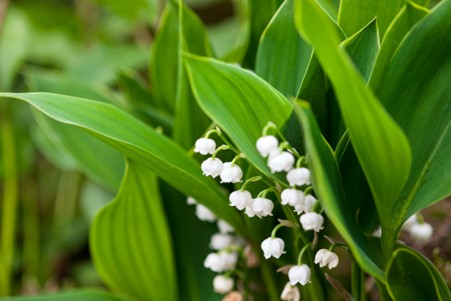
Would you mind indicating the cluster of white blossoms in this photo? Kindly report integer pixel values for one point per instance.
(420, 231)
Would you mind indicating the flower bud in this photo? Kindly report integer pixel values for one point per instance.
(299, 274)
(262, 207)
(240, 199)
(325, 257)
(312, 221)
(222, 284)
(191, 201)
(204, 214)
(205, 146)
(421, 233)
(273, 247)
(220, 241)
(231, 174)
(233, 296)
(224, 227)
(309, 202)
(299, 176)
(290, 293)
(212, 167)
(280, 161)
(413, 220)
(292, 197)
(267, 145)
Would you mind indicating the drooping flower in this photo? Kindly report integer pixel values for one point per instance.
(220, 241)
(299, 176)
(212, 167)
(299, 274)
(205, 214)
(222, 284)
(249, 211)
(312, 221)
(205, 146)
(410, 222)
(221, 261)
(267, 145)
(224, 227)
(273, 247)
(262, 207)
(280, 161)
(327, 258)
(292, 197)
(290, 293)
(231, 173)
(191, 201)
(421, 233)
(309, 202)
(240, 199)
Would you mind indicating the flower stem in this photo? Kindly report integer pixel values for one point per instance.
(302, 253)
(253, 179)
(274, 231)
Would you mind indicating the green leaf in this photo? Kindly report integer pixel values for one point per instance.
(85, 295)
(353, 15)
(138, 142)
(130, 241)
(238, 101)
(380, 145)
(404, 21)
(411, 276)
(282, 56)
(145, 10)
(327, 183)
(422, 67)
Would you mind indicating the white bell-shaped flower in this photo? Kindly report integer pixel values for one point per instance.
(262, 207)
(205, 146)
(240, 199)
(212, 167)
(413, 220)
(205, 214)
(312, 221)
(327, 258)
(299, 176)
(221, 261)
(249, 211)
(309, 202)
(191, 201)
(220, 241)
(290, 293)
(267, 145)
(273, 247)
(231, 174)
(299, 274)
(280, 161)
(223, 284)
(230, 259)
(292, 197)
(224, 227)
(421, 233)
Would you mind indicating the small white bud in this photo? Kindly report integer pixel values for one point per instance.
(312, 221)
(309, 202)
(299, 176)
(240, 199)
(299, 274)
(204, 214)
(273, 247)
(231, 174)
(325, 257)
(267, 145)
(224, 227)
(191, 201)
(421, 233)
(212, 167)
(292, 197)
(262, 207)
(205, 146)
(220, 241)
(222, 284)
(280, 161)
(290, 293)
(410, 222)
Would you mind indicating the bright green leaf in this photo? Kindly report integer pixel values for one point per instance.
(238, 101)
(130, 241)
(283, 57)
(84, 295)
(138, 142)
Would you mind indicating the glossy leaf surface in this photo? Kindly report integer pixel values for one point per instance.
(84, 295)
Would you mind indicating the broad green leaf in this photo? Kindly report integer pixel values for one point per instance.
(404, 21)
(327, 183)
(353, 15)
(411, 276)
(85, 295)
(282, 56)
(138, 142)
(130, 241)
(422, 67)
(380, 145)
(363, 48)
(144, 10)
(238, 101)
(330, 7)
